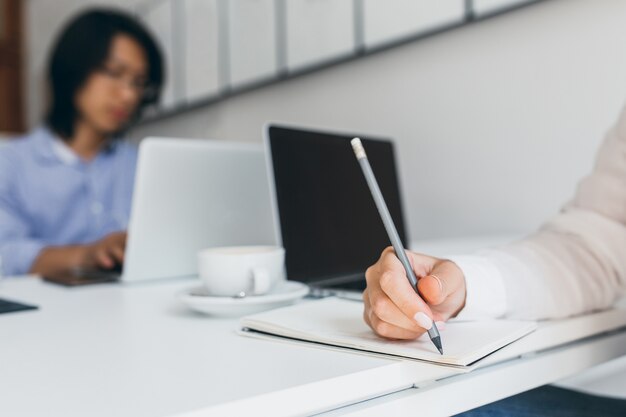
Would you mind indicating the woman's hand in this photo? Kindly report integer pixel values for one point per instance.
(392, 307)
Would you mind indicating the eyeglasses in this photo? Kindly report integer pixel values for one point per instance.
(139, 85)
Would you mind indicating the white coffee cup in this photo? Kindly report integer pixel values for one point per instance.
(230, 271)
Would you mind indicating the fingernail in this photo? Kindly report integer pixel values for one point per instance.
(441, 325)
(423, 320)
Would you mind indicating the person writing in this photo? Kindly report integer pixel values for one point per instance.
(575, 264)
(65, 188)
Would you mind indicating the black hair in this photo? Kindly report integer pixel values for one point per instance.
(81, 49)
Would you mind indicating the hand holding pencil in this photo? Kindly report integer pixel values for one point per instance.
(393, 306)
(393, 309)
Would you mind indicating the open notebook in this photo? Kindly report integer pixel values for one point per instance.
(338, 322)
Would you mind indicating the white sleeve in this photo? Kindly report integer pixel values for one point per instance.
(485, 296)
(576, 263)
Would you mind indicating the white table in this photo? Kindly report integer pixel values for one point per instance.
(118, 350)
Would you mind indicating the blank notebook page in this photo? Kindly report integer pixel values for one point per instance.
(339, 322)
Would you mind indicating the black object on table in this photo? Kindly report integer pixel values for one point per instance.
(7, 306)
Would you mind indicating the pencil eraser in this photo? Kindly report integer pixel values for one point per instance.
(357, 146)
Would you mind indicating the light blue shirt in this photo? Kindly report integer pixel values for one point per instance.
(50, 197)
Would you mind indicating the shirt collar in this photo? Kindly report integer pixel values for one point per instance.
(51, 148)
(63, 152)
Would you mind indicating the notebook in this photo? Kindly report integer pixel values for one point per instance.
(339, 322)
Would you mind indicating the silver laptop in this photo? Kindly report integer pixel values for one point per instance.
(192, 194)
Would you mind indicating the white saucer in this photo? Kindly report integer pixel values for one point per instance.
(198, 299)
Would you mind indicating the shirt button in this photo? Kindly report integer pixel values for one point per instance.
(96, 207)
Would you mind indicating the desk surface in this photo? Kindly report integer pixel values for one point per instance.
(133, 350)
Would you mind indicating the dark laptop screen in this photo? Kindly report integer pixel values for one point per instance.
(329, 223)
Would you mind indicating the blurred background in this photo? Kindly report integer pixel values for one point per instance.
(497, 106)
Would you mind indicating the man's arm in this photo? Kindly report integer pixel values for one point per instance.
(57, 260)
(22, 252)
(18, 246)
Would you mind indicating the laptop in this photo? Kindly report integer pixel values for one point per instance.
(325, 215)
(190, 194)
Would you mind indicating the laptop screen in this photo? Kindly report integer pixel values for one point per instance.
(330, 227)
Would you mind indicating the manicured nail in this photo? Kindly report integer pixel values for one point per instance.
(423, 320)
(441, 325)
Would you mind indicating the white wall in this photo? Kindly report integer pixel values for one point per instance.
(495, 122)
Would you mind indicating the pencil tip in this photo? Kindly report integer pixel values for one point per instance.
(437, 342)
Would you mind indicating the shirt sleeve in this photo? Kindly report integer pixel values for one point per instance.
(18, 247)
(485, 294)
(576, 263)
